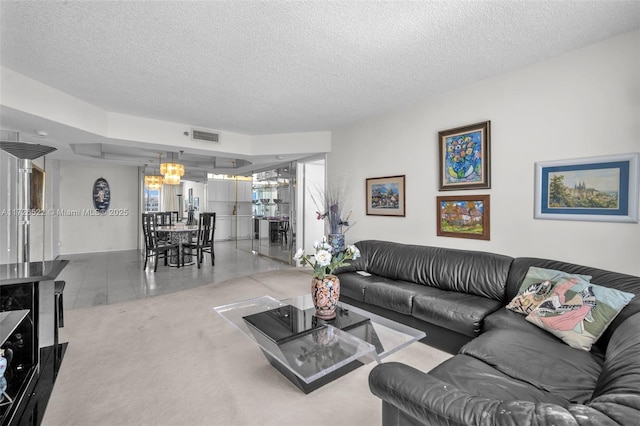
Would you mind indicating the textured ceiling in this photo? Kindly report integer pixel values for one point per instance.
(276, 67)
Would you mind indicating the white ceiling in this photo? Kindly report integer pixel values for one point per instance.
(266, 67)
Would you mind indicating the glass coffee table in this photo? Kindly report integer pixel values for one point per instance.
(312, 352)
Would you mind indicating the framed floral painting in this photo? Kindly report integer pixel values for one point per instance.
(385, 196)
(464, 216)
(465, 157)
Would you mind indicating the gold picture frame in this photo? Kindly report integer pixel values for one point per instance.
(386, 196)
(36, 189)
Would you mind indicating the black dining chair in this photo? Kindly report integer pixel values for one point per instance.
(173, 217)
(164, 218)
(153, 245)
(204, 239)
(283, 231)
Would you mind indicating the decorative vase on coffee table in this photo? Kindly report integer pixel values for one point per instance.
(325, 293)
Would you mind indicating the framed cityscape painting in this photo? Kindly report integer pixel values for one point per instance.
(385, 196)
(465, 157)
(593, 189)
(464, 216)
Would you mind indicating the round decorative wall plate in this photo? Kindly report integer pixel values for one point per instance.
(101, 195)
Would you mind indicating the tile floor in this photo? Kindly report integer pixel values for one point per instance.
(113, 277)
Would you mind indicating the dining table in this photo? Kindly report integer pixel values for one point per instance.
(178, 234)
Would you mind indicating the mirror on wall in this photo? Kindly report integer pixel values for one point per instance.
(265, 213)
(273, 211)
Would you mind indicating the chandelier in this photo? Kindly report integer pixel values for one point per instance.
(153, 181)
(172, 172)
(172, 179)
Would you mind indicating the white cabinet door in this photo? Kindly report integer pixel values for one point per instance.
(231, 190)
(223, 229)
(244, 191)
(234, 225)
(245, 228)
(218, 190)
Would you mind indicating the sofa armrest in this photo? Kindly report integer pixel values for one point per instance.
(427, 398)
(434, 402)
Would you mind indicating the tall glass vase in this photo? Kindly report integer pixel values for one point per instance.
(336, 241)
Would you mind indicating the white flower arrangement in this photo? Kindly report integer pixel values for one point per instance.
(324, 262)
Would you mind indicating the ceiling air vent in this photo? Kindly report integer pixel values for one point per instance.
(199, 135)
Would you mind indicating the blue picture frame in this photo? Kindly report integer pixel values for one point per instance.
(603, 189)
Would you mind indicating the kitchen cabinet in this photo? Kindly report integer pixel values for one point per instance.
(223, 228)
(219, 190)
(244, 227)
(225, 190)
(232, 227)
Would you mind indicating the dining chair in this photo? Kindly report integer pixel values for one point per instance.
(153, 245)
(204, 239)
(283, 230)
(173, 217)
(164, 218)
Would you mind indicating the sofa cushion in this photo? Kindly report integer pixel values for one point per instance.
(479, 378)
(541, 360)
(536, 286)
(390, 294)
(617, 392)
(621, 371)
(622, 282)
(460, 312)
(474, 272)
(465, 271)
(353, 285)
(578, 311)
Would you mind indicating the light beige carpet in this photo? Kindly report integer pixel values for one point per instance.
(172, 360)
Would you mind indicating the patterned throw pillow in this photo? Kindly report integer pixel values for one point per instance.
(579, 313)
(536, 286)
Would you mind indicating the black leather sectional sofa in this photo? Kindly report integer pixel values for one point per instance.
(505, 371)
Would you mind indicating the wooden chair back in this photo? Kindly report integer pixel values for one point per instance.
(149, 223)
(164, 219)
(206, 228)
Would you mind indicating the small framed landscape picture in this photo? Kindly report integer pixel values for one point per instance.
(592, 189)
(386, 196)
(465, 157)
(464, 216)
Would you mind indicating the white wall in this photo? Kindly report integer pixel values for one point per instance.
(311, 175)
(585, 103)
(89, 233)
